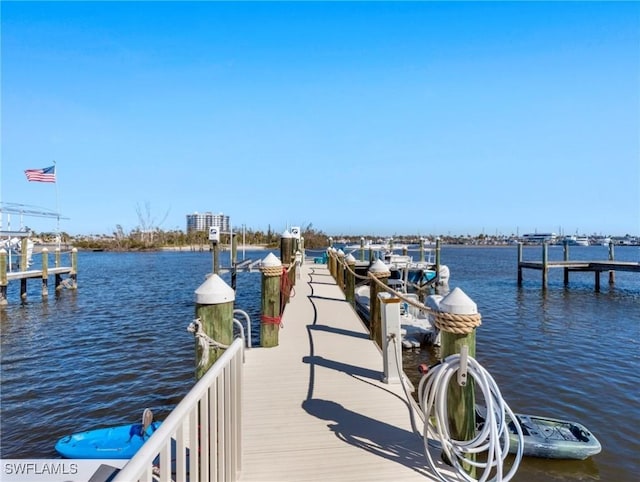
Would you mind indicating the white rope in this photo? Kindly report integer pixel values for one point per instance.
(493, 438)
(204, 340)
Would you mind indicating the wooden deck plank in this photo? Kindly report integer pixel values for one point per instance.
(314, 407)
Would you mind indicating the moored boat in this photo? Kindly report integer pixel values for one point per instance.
(550, 438)
(119, 442)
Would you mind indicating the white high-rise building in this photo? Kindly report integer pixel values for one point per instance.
(203, 221)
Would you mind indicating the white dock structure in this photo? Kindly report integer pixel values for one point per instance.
(314, 408)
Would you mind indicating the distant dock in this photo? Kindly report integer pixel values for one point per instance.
(597, 267)
(43, 274)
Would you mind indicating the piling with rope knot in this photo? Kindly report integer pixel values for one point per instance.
(380, 272)
(214, 311)
(272, 272)
(457, 321)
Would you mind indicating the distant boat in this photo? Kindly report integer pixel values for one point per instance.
(575, 240)
(11, 241)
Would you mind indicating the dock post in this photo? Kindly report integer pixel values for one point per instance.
(214, 309)
(438, 245)
(4, 281)
(286, 248)
(215, 249)
(234, 260)
(271, 269)
(45, 272)
(24, 258)
(457, 320)
(361, 248)
(350, 283)
(545, 264)
(405, 251)
(612, 273)
(519, 264)
(565, 252)
(74, 269)
(371, 255)
(340, 269)
(331, 262)
(379, 271)
(422, 250)
(391, 338)
(58, 277)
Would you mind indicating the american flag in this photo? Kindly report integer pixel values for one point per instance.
(46, 174)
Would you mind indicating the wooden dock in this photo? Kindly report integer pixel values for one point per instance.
(24, 274)
(314, 407)
(597, 267)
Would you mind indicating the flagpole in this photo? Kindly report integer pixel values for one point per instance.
(55, 171)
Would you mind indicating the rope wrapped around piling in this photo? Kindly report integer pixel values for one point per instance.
(272, 320)
(456, 324)
(204, 340)
(271, 270)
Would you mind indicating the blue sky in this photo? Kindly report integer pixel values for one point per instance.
(359, 118)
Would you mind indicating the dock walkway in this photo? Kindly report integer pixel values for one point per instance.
(314, 408)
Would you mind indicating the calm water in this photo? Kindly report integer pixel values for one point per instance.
(100, 355)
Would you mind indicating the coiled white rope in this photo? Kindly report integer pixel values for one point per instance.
(493, 438)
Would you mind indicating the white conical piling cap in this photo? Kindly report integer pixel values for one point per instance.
(350, 259)
(340, 253)
(458, 303)
(271, 260)
(214, 291)
(379, 267)
(286, 234)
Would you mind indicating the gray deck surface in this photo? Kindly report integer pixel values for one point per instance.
(314, 408)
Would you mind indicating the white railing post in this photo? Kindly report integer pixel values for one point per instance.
(391, 337)
(210, 412)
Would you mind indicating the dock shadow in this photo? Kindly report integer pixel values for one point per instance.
(352, 370)
(340, 331)
(378, 438)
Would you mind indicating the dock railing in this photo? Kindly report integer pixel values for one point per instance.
(200, 440)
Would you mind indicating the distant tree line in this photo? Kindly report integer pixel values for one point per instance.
(140, 239)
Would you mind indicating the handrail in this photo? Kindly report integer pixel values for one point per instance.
(201, 437)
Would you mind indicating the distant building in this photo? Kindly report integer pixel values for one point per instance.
(203, 221)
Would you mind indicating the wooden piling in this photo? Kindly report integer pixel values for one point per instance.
(340, 269)
(421, 250)
(45, 272)
(271, 269)
(519, 264)
(4, 281)
(58, 277)
(234, 260)
(612, 273)
(545, 264)
(457, 323)
(73, 275)
(379, 271)
(214, 309)
(565, 255)
(215, 252)
(350, 283)
(361, 248)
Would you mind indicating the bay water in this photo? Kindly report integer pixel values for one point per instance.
(99, 355)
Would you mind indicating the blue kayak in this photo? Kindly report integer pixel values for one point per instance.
(120, 442)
